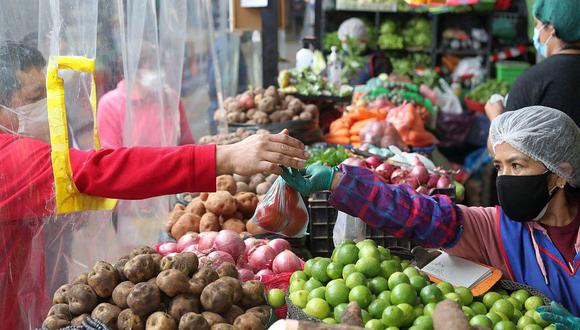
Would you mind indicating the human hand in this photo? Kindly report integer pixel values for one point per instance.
(261, 153)
(559, 316)
(493, 108)
(318, 178)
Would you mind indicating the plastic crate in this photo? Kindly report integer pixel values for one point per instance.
(484, 5)
(322, 220)
(509, 71)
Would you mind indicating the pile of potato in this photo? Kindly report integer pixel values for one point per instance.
(230, 207)
(259, 107)
(144, 290)
(230, 138)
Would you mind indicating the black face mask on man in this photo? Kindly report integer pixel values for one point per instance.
(524, 197)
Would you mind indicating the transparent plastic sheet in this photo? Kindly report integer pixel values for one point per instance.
(153, 60)
(282, 211)
(348, 227)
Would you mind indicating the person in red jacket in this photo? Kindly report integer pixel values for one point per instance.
(27, 182)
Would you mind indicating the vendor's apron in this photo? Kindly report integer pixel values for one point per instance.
(563, 283)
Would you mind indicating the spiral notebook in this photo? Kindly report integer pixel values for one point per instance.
(457, 271)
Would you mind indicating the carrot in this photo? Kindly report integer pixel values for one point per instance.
(340, 132)
(356, 127)
(337, 139)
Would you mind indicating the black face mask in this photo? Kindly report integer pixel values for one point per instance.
(523, 197)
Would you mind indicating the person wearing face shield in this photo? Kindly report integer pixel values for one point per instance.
(555, 81)
(532, 236)
(27, 192)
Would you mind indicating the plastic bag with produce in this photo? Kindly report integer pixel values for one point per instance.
(282, 211)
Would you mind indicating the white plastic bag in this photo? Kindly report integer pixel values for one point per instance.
(348, 227)
(448, 102)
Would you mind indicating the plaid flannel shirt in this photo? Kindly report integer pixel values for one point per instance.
(432, 221)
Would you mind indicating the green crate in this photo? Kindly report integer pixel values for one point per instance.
(484, 5)
(509, 71)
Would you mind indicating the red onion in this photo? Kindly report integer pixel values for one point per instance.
(285, 262)
(443, 182)
(191, 248)
(216, 258)
(229, 241)
(433, 178)
(385, 170)
(186, 240)
(261, 257)
(420, 173)
(264, 272)
(352, 161)
(167, 248)
(373, 161)
(206, 240)
(156, 247)
(245, 274)
(252, 242)
(279, 245)
(398, 176)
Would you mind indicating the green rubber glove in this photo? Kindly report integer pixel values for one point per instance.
(318, 178)
(559, 316)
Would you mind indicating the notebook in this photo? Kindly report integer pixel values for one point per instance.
(457, 271)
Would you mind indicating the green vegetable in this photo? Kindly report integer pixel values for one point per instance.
(327, 156)
(483, 92)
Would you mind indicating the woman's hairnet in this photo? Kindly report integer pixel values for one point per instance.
(564, 15)
(353, 28)
(544, 134)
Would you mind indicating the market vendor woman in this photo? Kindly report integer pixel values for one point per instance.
(532, 236)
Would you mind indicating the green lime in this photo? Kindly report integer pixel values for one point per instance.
(418, 282)
(468, 312)
(378, 284)
(505, 325)
(454, 297)
(377, 307)
(396, 279)
(362, 295)
(368, 251)
(385, 254)
(503, 306)
(532, 327)
(367, 241)
(478, 307)
(490, 298)
(533, 302)
(334, 270)
(517, 315)
(312, 284)
(385, 295)
(338, 311)
(494, 317)
(336, 294)
(317, 308)
(337, 281)
(445, 287)
(418, 310)
(481, 320)
(356, 279)
(276, 298)
(347, 254)
(405, 264)
(298, 275)
(411, 271)
(408, 312)
(308, 267)
(347, 270)
(550, 327)
(374, 324)
(299, 298)
(319, 270)
(392, 316)
(523, 321)
(429, 309)
(317, 293)
(329, 320)
(403, 293)
(366, 316)
(431, 294)
(370, 267)
(389, 267)
(425, 322)
(465, 294)
(296, 285)
(502, 292)
(539, 320)
(521, 295)
(516, 303)
(391, 328)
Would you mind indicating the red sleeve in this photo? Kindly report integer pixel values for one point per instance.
(27, 182)
(479, 240)
(144, 172)
(186, 136)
